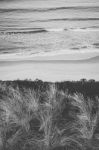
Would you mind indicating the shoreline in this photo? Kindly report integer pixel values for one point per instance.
(53, 55)
(52, 68)
(49, 71)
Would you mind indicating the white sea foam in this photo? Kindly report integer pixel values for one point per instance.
(55, 29)
(72, 29)
(85, 30)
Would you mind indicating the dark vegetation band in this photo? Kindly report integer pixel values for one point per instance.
(37, 115)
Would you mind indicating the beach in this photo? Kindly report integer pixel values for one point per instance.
(72, 67)
(49, 74)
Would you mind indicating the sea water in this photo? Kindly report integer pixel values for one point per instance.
(48, 26)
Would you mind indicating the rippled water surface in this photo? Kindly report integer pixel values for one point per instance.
(43, 26)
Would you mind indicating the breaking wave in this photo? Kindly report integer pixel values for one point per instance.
(46, 30)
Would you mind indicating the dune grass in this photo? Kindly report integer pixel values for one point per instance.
(48, 120)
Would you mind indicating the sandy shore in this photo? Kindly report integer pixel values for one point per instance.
(50, 70)
(70, 66)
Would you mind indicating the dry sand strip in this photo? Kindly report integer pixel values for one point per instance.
(50, 70)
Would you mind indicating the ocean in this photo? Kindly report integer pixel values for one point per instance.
(39, 27)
